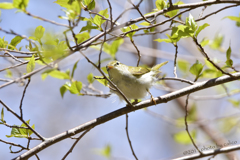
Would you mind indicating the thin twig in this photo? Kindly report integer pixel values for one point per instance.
(24, 91)
(17, 65)
(13, 57)
(176, 79)
(207, 57)
(74, 144)
(175, 60)
(129, 141)
(46, 20)
(186, 125)
(16, 115)
(101, 48)
(20, 52)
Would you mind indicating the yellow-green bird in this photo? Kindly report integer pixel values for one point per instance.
(134, 82)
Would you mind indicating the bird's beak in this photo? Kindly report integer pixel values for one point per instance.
(109, 67)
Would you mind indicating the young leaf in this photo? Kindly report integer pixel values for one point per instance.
(183, 65)
(90, 78)
(163, 40)
(229, 61)
(132, 27)
(106, 151)
(82, 37)
(31, 64)
(200, 28)
(9, 73)
(183, 137)
(55, 73)
(76, 87)
(160, 4)
(39, 31)
(101, 80)
(30, 131)
(234, 102)
(90, 4)
(190, 22)
(20, 4)
(14, 42)
(204, 42)
(6, 5)
(74, 68)
(217, 42)
(99, 20)
(196, 69)
(2, 115)
(63, 90)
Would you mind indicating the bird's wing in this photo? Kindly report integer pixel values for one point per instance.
(138, 71)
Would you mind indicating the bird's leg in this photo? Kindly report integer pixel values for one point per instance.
(152, 98)
(135, 101)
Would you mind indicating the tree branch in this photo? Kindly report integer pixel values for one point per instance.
(105, 118)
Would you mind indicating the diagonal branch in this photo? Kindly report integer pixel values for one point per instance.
(105, 118)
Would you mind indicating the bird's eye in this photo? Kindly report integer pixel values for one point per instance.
(117, 63)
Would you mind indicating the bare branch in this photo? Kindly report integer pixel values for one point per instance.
(129, 141)
(74, 144)
(161, 99)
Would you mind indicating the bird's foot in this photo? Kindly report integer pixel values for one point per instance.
(152, 98)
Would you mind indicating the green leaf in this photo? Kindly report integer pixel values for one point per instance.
(2, 115)
(9, 73)
(181, 31)
(234, 102)
(174, 12)
(127, 29)
(74, 68)
(31, 64)
(29, 131)
(196, 68)
(76, 87)
(183, 65)
(233, 18)
(104, 69)
(2, 43)
(20, 4)
(183, 138)
(90, 78)
(145, 24)
(98, 20)
(228, 53)
(63, 90)
(88, 27)
(90, 4)
(101, 80)
(204, 42)
(229, 61)
(106, 151)
(39, 31)
(160, 4)
(82, 37)
(6, 5)
(55, 73)
(14, 42)
(228, 124)
(190, 22)
(200, 28)
(23, 131)
(217, 42)
(163, 40)
(112, 49)
(73, 8)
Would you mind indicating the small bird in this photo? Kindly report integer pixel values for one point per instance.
(134, 82)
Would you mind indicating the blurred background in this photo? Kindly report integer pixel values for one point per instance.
(152, 131)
